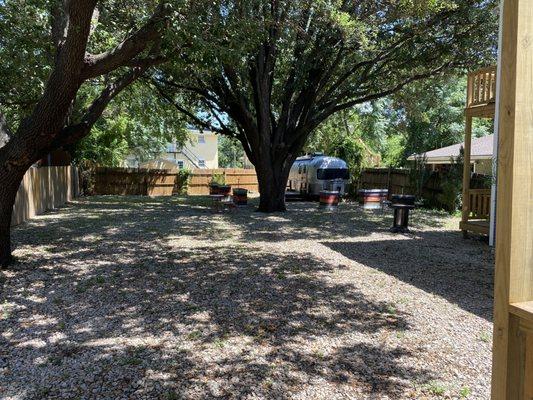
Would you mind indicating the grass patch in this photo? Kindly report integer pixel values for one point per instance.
(485, 337)
(6, 311)
(194, 335)
(465, 392)
(436, 389)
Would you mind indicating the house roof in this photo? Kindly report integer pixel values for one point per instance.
(482, 148)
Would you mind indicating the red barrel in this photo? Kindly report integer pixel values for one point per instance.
(240, 196)
(224, 190)
(372, 198)
(329, 200)
(214, 188)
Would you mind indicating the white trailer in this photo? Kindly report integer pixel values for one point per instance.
(311, 174)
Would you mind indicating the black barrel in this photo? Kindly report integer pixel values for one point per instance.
(224, 190)
(405, 199)
(240, 196)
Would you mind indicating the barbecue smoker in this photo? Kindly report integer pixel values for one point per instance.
(315, 173)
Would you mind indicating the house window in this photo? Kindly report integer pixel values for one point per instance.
(201, 139)
(180, 164)
(201, 163)
(171, 148)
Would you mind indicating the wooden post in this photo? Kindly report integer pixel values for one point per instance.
(389, 186)
(466, 170)
(513, 296)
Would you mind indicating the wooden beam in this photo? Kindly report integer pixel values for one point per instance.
(466, 171)
(514, 229)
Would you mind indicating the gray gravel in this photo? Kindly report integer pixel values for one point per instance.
(138, 298)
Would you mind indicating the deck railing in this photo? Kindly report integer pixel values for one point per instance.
(479, 203)
(481, 87)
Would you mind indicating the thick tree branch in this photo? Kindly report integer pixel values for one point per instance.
(73, 133)
(59, 23)
(131, 47)
(322, 116)
(196, 120)
(49, 114)
(5, 132)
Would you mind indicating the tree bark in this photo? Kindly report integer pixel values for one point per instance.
(9, 184)
(10, 178)
(272, 191)
(44, 129)
(272, 176)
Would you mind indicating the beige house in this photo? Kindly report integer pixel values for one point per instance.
(199, 152)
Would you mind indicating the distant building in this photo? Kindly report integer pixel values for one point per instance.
(481, 155)
(199, 152)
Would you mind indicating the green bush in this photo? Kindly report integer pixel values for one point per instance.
(452, 185)
(182, 181)
(219, 179)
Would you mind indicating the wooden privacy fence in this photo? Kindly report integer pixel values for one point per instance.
(398, 181)
(395, 180)
(243, 178)
(42, 189)
(135, 181)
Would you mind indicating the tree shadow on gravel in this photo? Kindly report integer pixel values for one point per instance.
(435, 263)
(110, 307)
(196, 217)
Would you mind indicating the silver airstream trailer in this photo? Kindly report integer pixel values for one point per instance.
(316, 172)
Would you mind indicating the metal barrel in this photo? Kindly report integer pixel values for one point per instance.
(224, 190)
(214, 188)
(329, 199)
(372, 198)
(240, 196)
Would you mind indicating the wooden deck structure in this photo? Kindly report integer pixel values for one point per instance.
(480, 103)
(512, 370)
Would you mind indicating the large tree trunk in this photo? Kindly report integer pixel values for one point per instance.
(272, 175)
(271, 189)
(9, 184)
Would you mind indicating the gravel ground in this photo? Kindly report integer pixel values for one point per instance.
(138, 298)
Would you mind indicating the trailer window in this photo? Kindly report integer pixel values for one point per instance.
(332, 173)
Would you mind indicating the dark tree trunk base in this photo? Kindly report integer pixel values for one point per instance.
(5, 263)
(272, 184)
(5, 247)
(271, 208)
(9, 185)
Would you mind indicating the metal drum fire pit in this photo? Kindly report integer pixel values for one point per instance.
(240, 196)
(401, 204)
(372, 199)
(329, 199)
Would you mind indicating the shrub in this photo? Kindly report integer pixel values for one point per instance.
(452, 185)
(86, 177)
(182, 181)
(219, 179)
